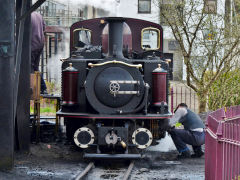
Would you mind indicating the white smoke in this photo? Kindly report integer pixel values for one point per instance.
(107, 5)
(165, 145)
(54, 64)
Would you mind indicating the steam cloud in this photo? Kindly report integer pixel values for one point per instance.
(165, 145)
(107, 5)
(54, 64)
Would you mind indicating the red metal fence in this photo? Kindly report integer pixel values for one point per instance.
(222, 145)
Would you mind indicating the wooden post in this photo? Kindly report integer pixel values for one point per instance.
(23, 96)
(35, 96)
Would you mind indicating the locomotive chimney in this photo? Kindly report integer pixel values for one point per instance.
(115, 37)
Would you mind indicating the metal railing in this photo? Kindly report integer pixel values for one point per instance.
(222, 144)
(180, 93)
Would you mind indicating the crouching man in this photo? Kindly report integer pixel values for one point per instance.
(192, 134)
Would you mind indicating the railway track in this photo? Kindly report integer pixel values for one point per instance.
(129, 170)
(83, 174)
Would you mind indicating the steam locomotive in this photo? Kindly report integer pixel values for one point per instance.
(115, 87)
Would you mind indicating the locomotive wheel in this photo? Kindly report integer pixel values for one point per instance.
(83, 137)
(71, 126)
(142, 137)
(94, 129)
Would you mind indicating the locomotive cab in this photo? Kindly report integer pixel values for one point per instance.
(113, 104)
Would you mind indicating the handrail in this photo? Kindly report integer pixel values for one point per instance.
(115, 62)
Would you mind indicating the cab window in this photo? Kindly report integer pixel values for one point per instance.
(81, 37)
(150, 38)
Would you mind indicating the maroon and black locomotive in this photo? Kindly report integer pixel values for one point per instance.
(115, 87)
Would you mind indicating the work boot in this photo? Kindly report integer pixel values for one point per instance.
(197, 154)
(184, 154)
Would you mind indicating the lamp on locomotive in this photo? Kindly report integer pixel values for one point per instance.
(159, 89)
(70, 83)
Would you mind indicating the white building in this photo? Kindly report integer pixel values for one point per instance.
(140, 9)
(149, 10)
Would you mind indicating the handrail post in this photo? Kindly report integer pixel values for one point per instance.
(172, 99)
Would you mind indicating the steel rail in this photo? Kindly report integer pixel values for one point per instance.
(127, 173)
(86, 170)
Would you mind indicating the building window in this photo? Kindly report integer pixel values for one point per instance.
(144, 6)
(175, 7)
(210, 6)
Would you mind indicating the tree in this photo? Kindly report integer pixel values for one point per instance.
(208, 46)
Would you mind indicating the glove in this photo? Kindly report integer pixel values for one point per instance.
(170, 128)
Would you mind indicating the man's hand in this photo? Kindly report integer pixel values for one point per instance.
(170, 128)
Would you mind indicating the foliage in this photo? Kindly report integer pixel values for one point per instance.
(237, 10)
(49, 109)
(47, 106)
(228, 94)
(53, 87)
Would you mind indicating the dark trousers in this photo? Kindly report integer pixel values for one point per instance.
(181, 137)
(35, 59)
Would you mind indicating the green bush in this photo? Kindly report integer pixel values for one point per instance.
(225, 91)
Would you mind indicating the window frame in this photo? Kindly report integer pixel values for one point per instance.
(207, 6)
(158, 40)
(168, 3)
(79, 29)
(145, 12)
